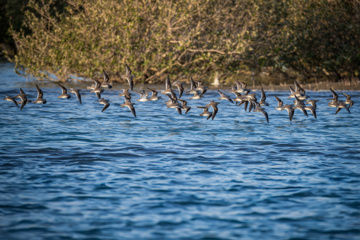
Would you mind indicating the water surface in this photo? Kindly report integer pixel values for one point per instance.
(68, 171)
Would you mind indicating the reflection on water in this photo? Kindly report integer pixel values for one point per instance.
(68, 171)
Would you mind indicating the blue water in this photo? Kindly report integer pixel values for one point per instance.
(68, 171)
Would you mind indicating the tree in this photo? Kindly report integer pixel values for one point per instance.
(156, 38)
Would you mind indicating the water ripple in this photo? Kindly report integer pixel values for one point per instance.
(68, 171)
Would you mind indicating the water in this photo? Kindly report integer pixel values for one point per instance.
(68, 171)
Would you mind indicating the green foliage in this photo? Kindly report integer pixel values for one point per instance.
(315, 38)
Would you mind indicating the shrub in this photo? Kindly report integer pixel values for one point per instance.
(156, 38)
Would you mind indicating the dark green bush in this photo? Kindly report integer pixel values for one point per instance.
(155, 38)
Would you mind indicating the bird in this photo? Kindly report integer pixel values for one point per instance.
(299, 104)
(233, 90)
(105, 102)
(249, 99)
(129, 77)
(258, 108)
(130, 105)
(97, 89)
(214, 107)
(172, 93)
(200, 86)
(184, 106)
(262, 101)
(76, 92)
(205, 112)
(341, 105)
(241, 87)
(202, 91)
(198, 95)
(238, 98)
(224, 97)
(23, 98)
(333, 103)
(179, 85)
(40, 95)
(242, 100)
(335, 96)
(312, 102)
(64, 93)
(143, 96)
(92, 87)
(173, 103)
(348, 100)
(154, 95)
(252, 104)
(312, 109)
(106, 81)
(125, 94)
(297, 94)
(11, 99)
(298, 89)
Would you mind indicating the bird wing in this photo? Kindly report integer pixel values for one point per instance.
(192, 83)
(280, 102)
(97, 83)
(127, 70)
(14, 101)
(78, 95)
(40, 93)
(181, 90)
(106, 77)
(106, 105)
(167, 82)
(132, 109)
(265, 114)
(214, 113)
(64, 90)
(335, 96)
(203, 92)
(130, 81)
(23, 103)
(347, 96)
(263, 95)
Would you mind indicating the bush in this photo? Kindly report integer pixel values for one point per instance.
(156, 38)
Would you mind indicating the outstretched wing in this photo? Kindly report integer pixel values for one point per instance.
(105, 107)
(106, 77)
(64, 90)
(265, 114)
(335, 96)
(128, 70)
(40, 93)
(132, 109)
(167, 82)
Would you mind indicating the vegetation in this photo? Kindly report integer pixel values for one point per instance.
(11, 12)
(314, 38)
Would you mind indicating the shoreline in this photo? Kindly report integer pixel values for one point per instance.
(343, 85)
(317, 87)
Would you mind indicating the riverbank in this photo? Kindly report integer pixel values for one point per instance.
(320, 86)
(347, 85)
